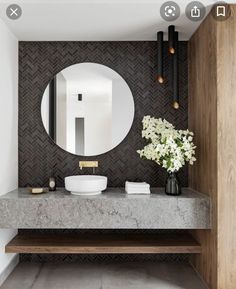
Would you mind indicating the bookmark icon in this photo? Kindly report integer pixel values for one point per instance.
(220, 11)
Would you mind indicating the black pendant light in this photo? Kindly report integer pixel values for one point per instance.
(176, 73)
(171, 38)
(160, 77)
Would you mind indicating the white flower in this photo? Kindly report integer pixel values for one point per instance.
(167, 146)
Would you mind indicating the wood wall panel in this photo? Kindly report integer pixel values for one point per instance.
(212, 116)
(226, 87)
(202, 121)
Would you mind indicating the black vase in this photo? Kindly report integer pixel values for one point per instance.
(172, 185)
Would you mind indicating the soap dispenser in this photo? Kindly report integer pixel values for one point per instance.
(52, 184)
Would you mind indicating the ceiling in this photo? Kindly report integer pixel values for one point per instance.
(94, 20)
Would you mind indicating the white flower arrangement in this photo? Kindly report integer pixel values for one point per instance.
(168, 147)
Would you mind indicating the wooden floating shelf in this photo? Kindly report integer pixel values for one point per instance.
(103, 244)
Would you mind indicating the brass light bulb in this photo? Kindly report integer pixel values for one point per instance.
(175, 105)
(160, 79)
(172, 50)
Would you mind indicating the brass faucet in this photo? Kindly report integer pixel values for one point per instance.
(88, 164)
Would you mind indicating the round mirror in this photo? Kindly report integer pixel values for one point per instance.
(87, 109)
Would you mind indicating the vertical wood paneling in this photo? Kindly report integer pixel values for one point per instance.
(226, 90)
(203, 120)
(212, 116)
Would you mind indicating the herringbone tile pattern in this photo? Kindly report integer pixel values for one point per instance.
(102, 258)
(40, 158)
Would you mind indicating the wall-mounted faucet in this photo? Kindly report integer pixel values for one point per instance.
(88, 164)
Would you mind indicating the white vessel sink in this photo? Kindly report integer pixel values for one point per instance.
(85, 184)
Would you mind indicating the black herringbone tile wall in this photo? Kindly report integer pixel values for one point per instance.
(103, 258)
(39, 157)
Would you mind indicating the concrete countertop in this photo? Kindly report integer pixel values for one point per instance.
(113, 209)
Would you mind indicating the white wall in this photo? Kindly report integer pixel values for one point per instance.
(61, 110)
(96, 109)
(8, 128)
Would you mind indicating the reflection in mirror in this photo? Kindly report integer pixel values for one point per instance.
(87, 109)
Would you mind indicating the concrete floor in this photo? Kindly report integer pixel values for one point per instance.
(115, 276)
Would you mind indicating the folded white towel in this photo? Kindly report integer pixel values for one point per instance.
(137, 188)
(138, 192)
(136, 184)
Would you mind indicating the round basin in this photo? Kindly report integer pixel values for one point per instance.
(85, 184)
